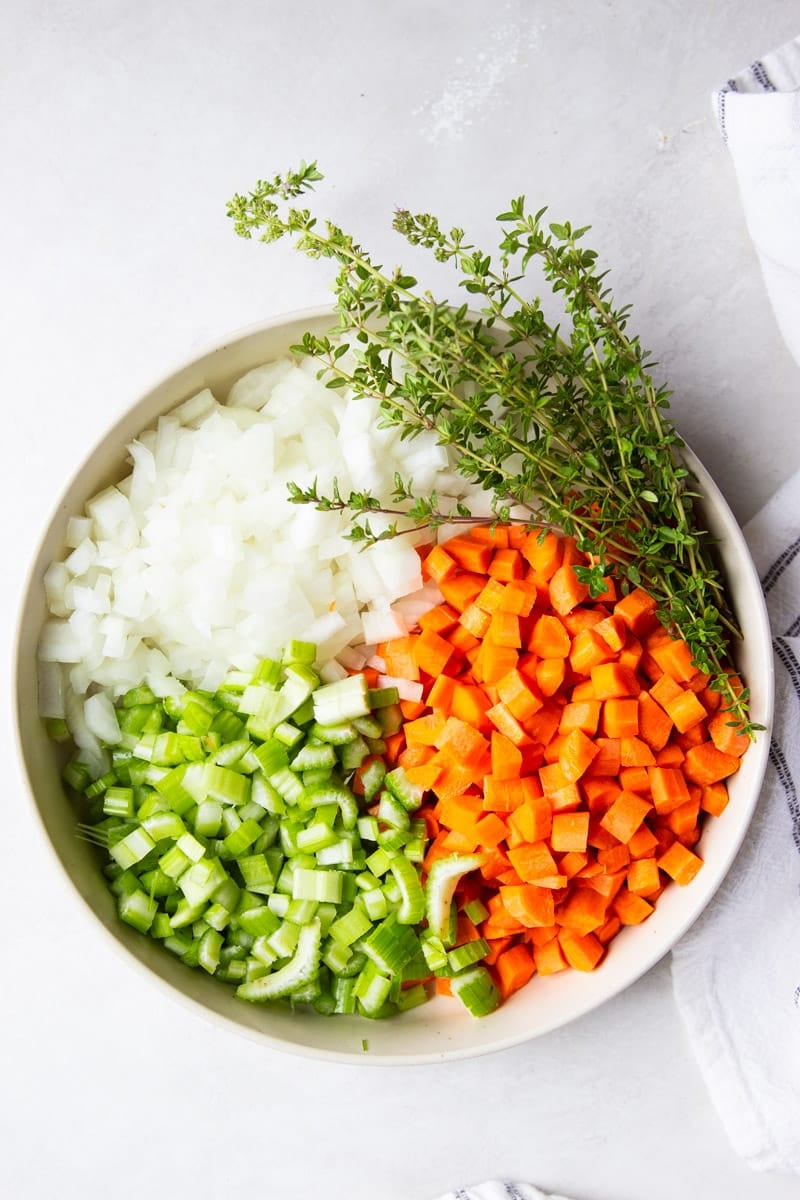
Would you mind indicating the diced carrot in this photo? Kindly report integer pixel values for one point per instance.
(519, 694)
(581, 619)
(613, 631)
(655, 725)
(566, 591)
(633, 752)
(675, 659)
(714, 799)
(494, 661)
(496, 947)
(461, 841)
(683, 819)
(551, 777)
(514, 968)
(431, 652)
(582, 953)
(642, 843)
(425, 730)
(441, 618)
(399, 656)
(471, 704)
(394, 744)
(670, 756)
(580, 714)
(533, 861)
(550, 675)
(685, 711)
(490, 831)
(625, 816)
(531, 822)
(470, 553)
(609, 930)
(576, 755)
(529, 905)
(490, 598)
(550, 638)
(643, 877)
(621, 717)
(496, 536)
(438, 564)
(726, 734)
(600, 791)
(693, 737)
(504, 720)
(570, 831)
(668, 788)
(610, 680)
(680, 864)
(638, 611)
(630, 908)
(424, 775)
(507, 564)
(506, 758)
(415, 755)
(635, 779)
(475, 620)
(576, 862)
(705, 764)
(549, 958)
(614, 859)
(607, 761)
(519, 670)
(544, 550)
(588, 650)
(461, 589)
(440, 697)
(584, 912)
(565, 798)
(543, 727)
(519, 596)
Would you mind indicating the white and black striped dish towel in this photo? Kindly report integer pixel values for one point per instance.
(736, 973)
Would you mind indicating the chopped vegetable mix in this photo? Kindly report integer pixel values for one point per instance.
(328, 844)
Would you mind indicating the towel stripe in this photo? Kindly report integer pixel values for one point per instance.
(778, 760)
(762, 77)
(784, 560)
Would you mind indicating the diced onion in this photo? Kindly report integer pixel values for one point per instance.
(197, 563)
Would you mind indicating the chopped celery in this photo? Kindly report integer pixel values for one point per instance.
(443, 878)
(236, 839)
(476, 990)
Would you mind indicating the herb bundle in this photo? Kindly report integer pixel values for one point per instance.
(563, 428)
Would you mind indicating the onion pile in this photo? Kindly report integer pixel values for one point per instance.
(196, 562)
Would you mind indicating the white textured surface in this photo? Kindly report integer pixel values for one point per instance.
(125, 128)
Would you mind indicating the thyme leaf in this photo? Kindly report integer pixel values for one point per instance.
(563, 426)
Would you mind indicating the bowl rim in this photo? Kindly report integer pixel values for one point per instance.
(649, 955)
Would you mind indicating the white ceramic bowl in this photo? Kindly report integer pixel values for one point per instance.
(441, 1029)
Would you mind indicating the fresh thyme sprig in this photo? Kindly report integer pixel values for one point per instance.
(562, 429)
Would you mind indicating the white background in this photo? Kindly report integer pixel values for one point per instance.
(124, 127)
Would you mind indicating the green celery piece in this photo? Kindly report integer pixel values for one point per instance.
(412, 904)
(443, 878)
(297, 973)
(392, 812)
(138, 910)
(476, 990)
(391, 945)
(467, 954)
(342, 701)
(372, 779)
(351, 926)
(209, 951)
